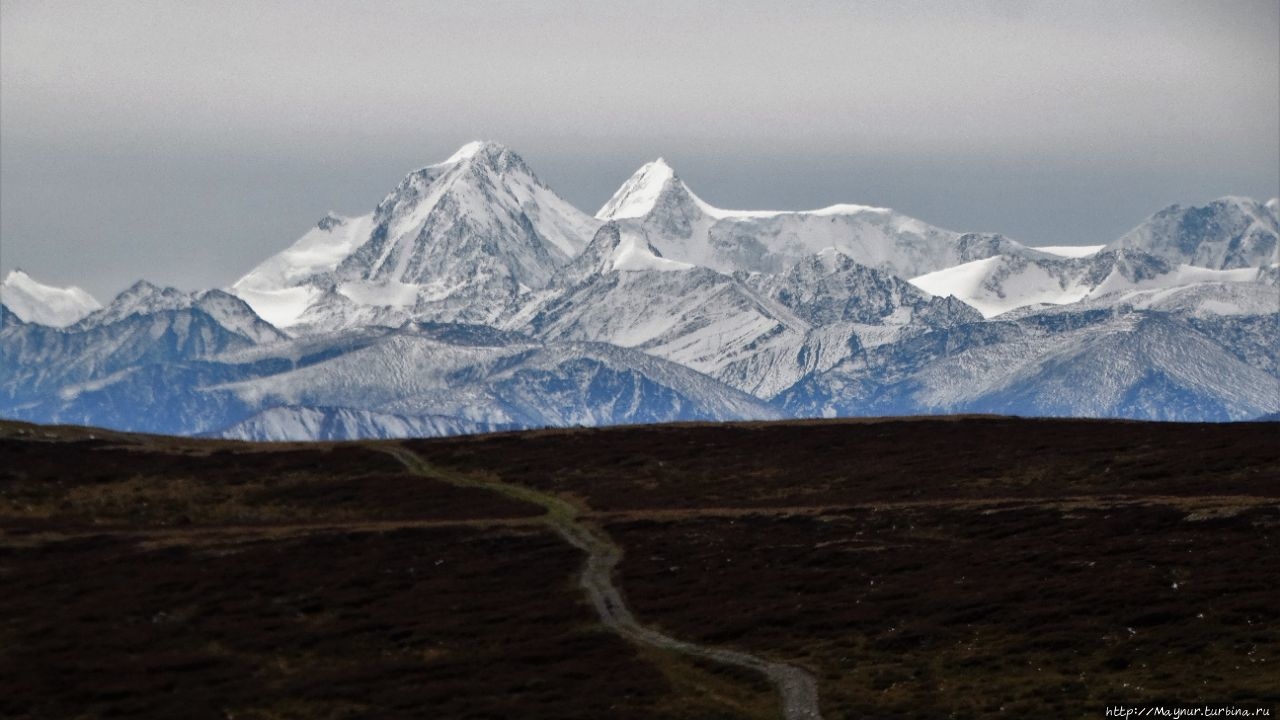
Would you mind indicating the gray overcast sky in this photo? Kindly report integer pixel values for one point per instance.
(186, 141)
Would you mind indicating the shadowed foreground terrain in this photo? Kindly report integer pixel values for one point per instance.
(966, 567)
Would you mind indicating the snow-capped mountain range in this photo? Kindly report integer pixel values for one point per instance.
(473, 298)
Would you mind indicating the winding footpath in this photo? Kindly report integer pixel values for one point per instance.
(797, 687)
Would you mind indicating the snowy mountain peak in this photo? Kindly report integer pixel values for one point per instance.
(456, 240)
(144, 299)
(486, 154)
(279, 289)
(140, 298)
(467, 151)
(145, 291)
(640, 193)
(1230, 232)
(33, 301)
(494, 156)
(483, 212)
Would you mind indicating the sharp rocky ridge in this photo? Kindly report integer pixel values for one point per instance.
(474, 298)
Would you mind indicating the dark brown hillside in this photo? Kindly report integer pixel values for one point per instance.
(965, 567)
(851, 462)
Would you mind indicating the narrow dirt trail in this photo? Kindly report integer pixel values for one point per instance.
(797, 688)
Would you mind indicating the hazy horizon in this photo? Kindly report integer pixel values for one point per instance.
(184, 144)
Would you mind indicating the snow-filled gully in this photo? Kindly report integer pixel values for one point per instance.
(797, 688)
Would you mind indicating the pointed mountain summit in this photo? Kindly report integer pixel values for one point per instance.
(640, 193)
(33, 301)
(140, 298)
(457, 240)
(482, 210)
(657, 199)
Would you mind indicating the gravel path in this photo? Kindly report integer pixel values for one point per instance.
(797, 687)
